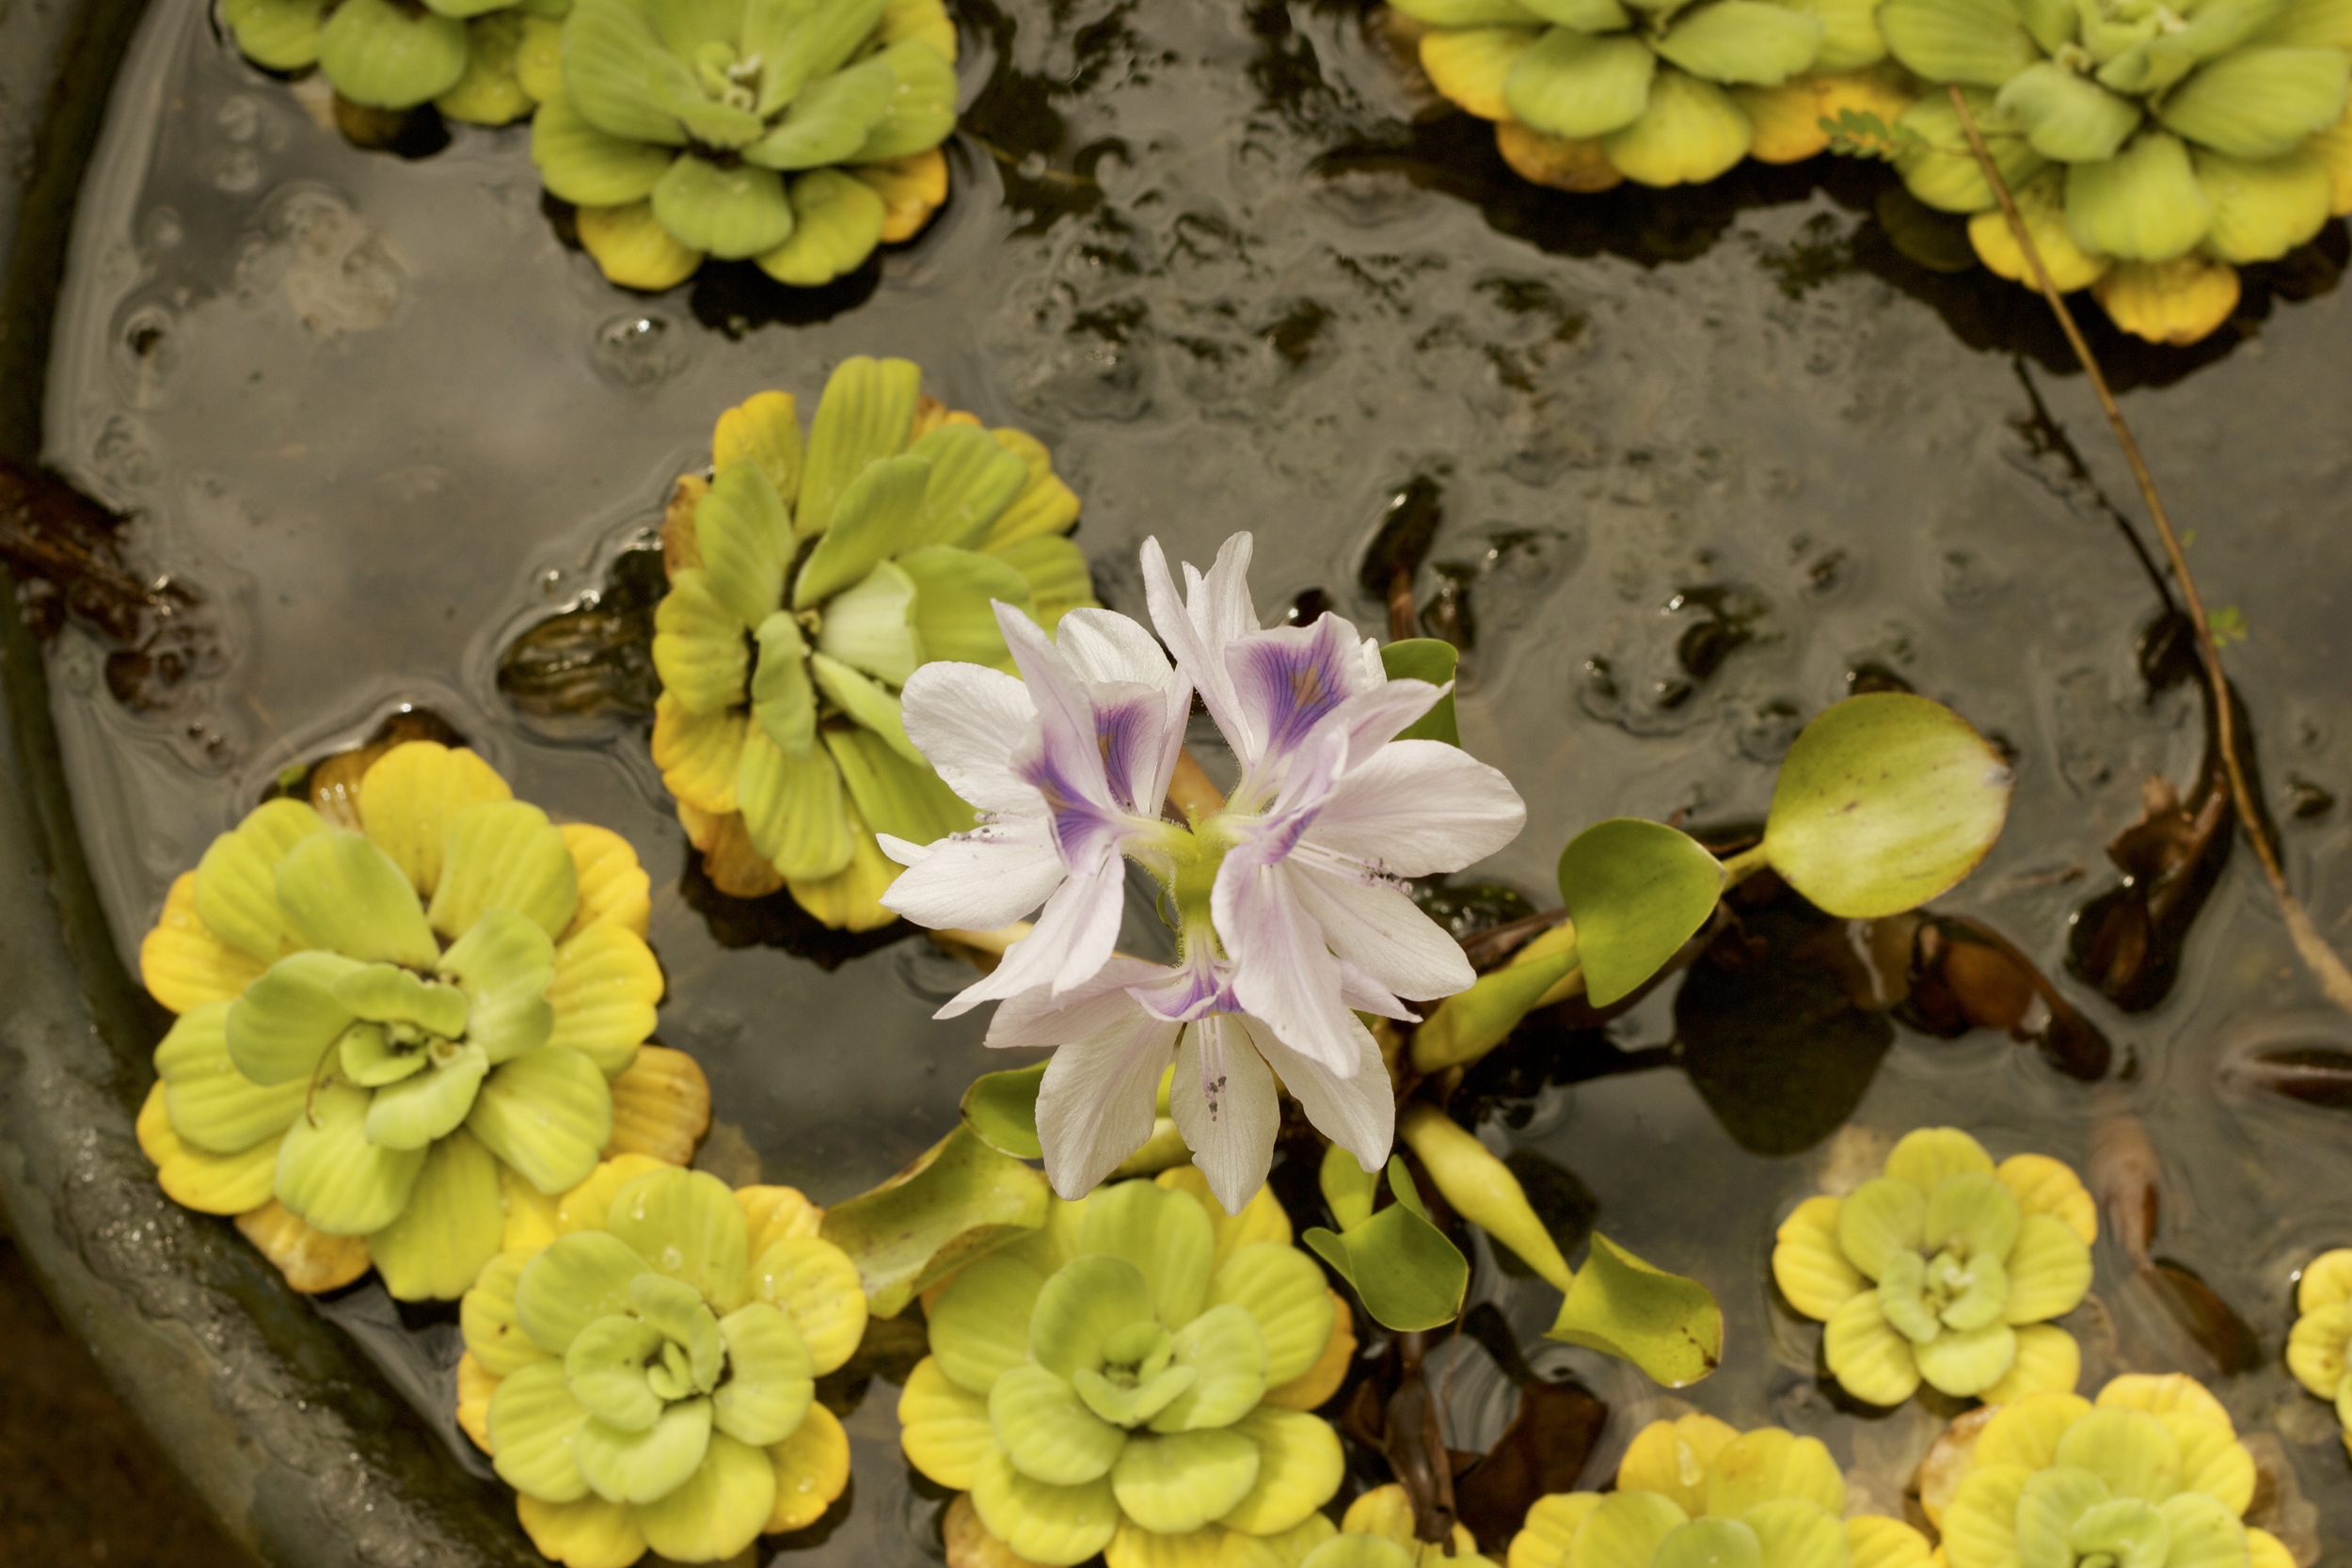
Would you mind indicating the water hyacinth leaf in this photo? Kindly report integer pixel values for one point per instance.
(863, 418)
(1668, 1326)
(1407, 1274)
(504, 855)
(621, 76)
(922, 103)
(1884, 801)
(449, 1228)
(783, 701)
(503, 967)
(954, 595)
(794, 808)
(837, 220)
(730, 213)
(341, 891)
(2260, 211)
(903, 799)
(280, 1030)
(547, 1114)
(1176, 1483)
(768, 1386)
(276, 35)
(959, 1200)
(828, 121)
(687, 1226)
(878, 514)
(332, 1176)
(871, 626)
(2142, 205)
(1347, 1187)
(2065, 116)
(384, 58)
(576, 1280)
(1637, 890)
(698, 645)
(980, 1325)
(1001, 1109)
(211, 1104)
(1974, 42)
(974, 479)
(1057, 572)
(583, 164)
(1743, 40)
(1691, 132)
(1570, 85)
(2258, 103)
(534, 1419)
(1431, 659)
(801, 41)
(745, 536)
(421, 1107)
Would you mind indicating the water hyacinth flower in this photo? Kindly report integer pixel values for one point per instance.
(1585, 94)
(644, 1377)
(1287, 914)
(2152, 1475)
(1133, 1379)
(403, 1029)
(2152, 151)
(1697, 1490)
(795, 135)
(1945, 1268)
(2319, 1347)
(485, 61)
(808, 581)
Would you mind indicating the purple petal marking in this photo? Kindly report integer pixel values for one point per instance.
(1133, 735)
(1202, 985)
(1288, 679)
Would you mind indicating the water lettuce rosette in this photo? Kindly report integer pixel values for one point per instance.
(644, 1376)
(1945, 1268)
(1696, 1490)
(1587, 93)
(2319, 1347)
(2152, 148)
(407, 1021)
(1135, 1379)
(1378, 1531)
(797, 135)
(487, 61)
(807, 584)
(2150, 1475)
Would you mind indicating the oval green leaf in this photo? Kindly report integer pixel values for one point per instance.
(1000, 1108)
(1637, 890)
(1431, 659)
(1669, 1326)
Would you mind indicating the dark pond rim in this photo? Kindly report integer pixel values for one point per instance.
(291, 1436)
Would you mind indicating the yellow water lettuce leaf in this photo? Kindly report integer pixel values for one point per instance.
(1574, 163)
(208, 1183)
(661, 1106)
(485, 1315)
(2164, 1394)
(2212, 1461)
(1625, 1528)
(183, 965)
(605, 986)
(1469, 66)
(614, 889)
(794, 809)
(1980, 1522)
(2326, 1282)
(2180, 302)
(1299, 1468)
(2315, 1346)
(311, 1261)
(2049, 1271)
(1551, 1524)
(235, 893)
(452, 1225)
(504, 855)
(851, 898)
(815, 1285)
(2047, 1186)
(491, 91)
(912, 189)
(812, 1470)
(774, 1214)
(1876, 1542)
(1283, 1290)
(1672, 1458)
(698, 754)
(1767, 1464)
(474, 1389)
(586, 1533)
(2048, 1361)
(1310, 1388)
(1808, 1265)
(214, 1108)
(979, 1328)
(720, 1509)
(1785, 121)
(410, 794)
(1869, 1359)
(1055, 1525)
(1926, 1156)
(583, 1207)
(1045, 507)
(945, 1429)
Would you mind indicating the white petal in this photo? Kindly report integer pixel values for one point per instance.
(1041, 1016)
(993, 876)
(1224, 1104)
(1364, 994)
(1418, 807)
(1358, 1112)
(1095, 1105)
(1197, 631)
(1373, 718)
(1105, 646)
(901, 851)
(1070, 942)
(1281, 971)
(970, 721)
(1288, 680)
(1381, 932)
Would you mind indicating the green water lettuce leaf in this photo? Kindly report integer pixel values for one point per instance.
(1164, 1234)
(573, 1281)
(449, 1228)
(922, 106)
(829, 122)
(1573, 85)
(504, 855)
(1284, 1293)
(955, 593)
(903, 799)
(1940, 169)
(1000, 1108)
(280, 1030)
(1665, 1325)
(795, 809)
(377, 54)
(974, 479)
(547, 1114)
(698, 644)
(2260, 211)
(783, 699)
(799, 43)
(276, 35)
(837, 221)
(878, 514)
(503, 967)
(2142, 205)
(864, 416)
(1743, 40)
(211, 1104)
(866, 703)
(959, 1200)
(871, 626)
(745, 538)
(1431, 659)
(534, 1420)
(2067, 117)
(2259, 102)
(1974, 42)
(686, 1225)
(730, 213)
(421, 1107)
(237, 881)
(1851, 39)
(620, 74)
(1691, 132)
(768, 1386)
(1637, 890)
(333, 1176)
(343, 893)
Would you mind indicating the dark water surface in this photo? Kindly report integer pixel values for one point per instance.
(1701, 456)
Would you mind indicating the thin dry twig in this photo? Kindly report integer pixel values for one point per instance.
(2318, 956)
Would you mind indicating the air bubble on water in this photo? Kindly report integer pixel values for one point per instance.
(339, 272)
(236, 170)
(639, 350)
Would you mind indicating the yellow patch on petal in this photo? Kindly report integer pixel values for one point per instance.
(2165, 1394)
(590, 1534)
(2027, 1432)
(474, 1389)
(814, 1283)
(1133, 1546)
(634, 250)
(1873, 1541)
(530, 1213)
(812, 1470)
(660, 1108)
(613, 887)
(2327, 1282)
(1388, 1513)
(1551, 1524)
(2046, 1186)
(2315, 1345)
(943, 1428)
(912, 188)
(734, 867)
(2048, 1362)
(2212, 1461)
(2179, 302)
(1980, 1524)
(584, 1208)
(311, 1261)
(183, 965)
(1788, 120)
(1672, 1458)
(1318, 1382)
(1468, 65)
(2266, 1550)
(1870, 1359)
(407, 798)
(196, 1179)
(698, 754)
(851, 898)
(1768, 1464)
(1925, 1156)
(1575, 164)
(1809, 1266)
